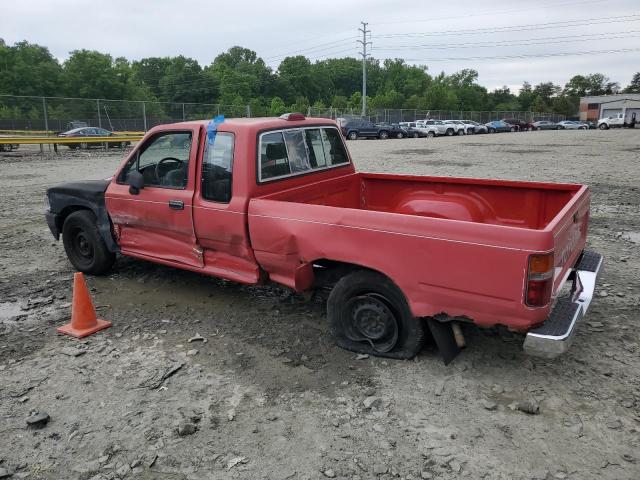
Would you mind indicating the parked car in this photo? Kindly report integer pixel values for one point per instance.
(499, 126)
(619, 120)
(474, 127)
(521, 125)
(440, 126)
(357, 128)
(402, 254)
(571, 125)
(395, 130)
(88, 132)
(458, 125)
(545, 125)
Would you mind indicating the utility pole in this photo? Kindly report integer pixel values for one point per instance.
(364, 44)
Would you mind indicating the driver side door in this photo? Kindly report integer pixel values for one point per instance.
(156, 223)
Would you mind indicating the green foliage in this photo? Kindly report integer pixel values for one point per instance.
(634, 86)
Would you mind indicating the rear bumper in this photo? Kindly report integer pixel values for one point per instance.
(554, 336)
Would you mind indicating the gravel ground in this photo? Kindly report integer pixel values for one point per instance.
(204, 379)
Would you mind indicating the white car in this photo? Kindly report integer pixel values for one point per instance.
(459, 126)
(474, 127)
(572, 125)
(612, 121)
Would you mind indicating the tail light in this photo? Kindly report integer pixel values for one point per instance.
(539, 280)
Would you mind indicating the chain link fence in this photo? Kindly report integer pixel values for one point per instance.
(58, 114)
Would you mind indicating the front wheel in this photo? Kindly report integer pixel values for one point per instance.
(416, 135)
(352, 136)
(450, 132)
(383, 135)
(83, 244)
(430, 134)
(399, 135)
(512, 129)
(603, 126)
(369, 314)
(492, 130)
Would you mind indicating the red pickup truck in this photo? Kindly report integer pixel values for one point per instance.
(259, 199)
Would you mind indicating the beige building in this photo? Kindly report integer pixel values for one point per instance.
(597, 107)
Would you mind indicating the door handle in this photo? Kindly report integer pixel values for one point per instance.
(176, 204)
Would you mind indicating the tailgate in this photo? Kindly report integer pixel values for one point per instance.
(569, 230)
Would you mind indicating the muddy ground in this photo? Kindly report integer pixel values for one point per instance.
(265, 394)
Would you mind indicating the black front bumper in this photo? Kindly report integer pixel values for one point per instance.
(52, 221)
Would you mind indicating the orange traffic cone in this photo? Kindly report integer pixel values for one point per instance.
(83, 316)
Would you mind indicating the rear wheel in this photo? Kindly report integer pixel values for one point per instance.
(430, 134)
(352, 136)
(603, 126)
(83, 244)
(450, 132)
(492, 130)
(84, 146)
(399, 135)
(460, 132)
(383, 135)
(416, 135)
(368, 314)
(512, 129)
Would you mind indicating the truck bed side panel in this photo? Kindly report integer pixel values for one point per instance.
(442, 266)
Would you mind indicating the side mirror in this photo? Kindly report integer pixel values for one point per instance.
(136, 182)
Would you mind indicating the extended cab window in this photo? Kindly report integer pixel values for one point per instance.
(295, 151)
(217, 167)
(163, 161)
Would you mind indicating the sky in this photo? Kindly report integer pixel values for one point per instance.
(507, 42)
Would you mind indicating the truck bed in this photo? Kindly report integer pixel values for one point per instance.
(417, 221)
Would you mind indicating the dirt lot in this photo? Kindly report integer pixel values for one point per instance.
(268, 395)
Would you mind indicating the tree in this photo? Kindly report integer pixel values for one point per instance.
(593, 84)
(634, 86)
(29, 69)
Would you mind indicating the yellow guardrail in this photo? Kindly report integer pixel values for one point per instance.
(52, 132)
(67, 140)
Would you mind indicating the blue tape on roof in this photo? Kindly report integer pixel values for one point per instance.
(212, 128)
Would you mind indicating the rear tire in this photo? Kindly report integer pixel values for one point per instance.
(399, 135)
(383, 135)
(369, 314)
(450, 132)
(83, 244)
(430, 134)
(603, 126)
(492, 130)
(512, 129)
(352, 136)
(84, 146)
(416, 135)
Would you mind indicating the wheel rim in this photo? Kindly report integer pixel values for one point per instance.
(369, 319)
(399, 135)
(384, 135)
(353, 136)
(82, 245)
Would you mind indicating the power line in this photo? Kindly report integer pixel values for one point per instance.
(510, 43)
(349, 39)
(536, 55)
(555, 5)
(520, 28)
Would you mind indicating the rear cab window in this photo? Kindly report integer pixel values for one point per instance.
(297, 151)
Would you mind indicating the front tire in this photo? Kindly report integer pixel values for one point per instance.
(383, 135)
(83, 244)
(450, 132)
(430, 134)
(399, 135)
(352, 136)
(492, 130)
(369, 314)
(603, 126)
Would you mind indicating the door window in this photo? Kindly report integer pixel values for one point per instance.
(217, 166)
(163, 161)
